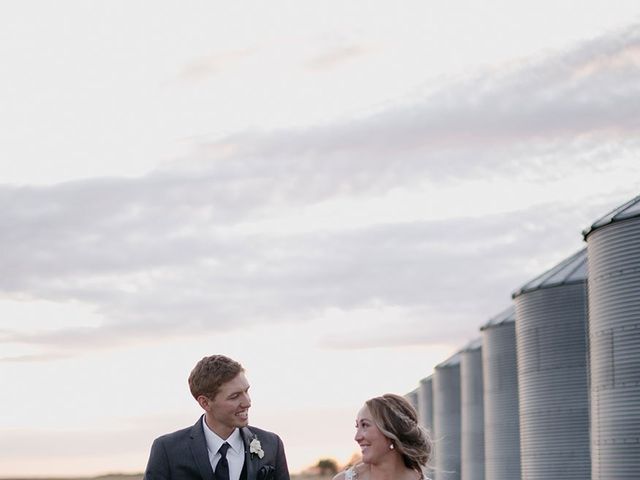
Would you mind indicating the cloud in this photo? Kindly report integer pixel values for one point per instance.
(502, 121)
(220, 281)
(214, 64)
(170, 253)
(46, 357)
(337, 56)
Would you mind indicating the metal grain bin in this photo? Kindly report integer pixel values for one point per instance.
(500, 378)
(446, 418)
(425, 412)
(412, 397)
(472, 412)
(613, 245)
(425, 403)
(551, 322)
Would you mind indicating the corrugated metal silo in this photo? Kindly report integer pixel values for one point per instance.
(551, 321)
(613, 245)
(446, 418)
(425, 403)
(425, 411)
(500, 377)
(472, 412)
(412, 397)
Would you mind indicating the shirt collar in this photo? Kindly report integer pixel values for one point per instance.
(214, 442)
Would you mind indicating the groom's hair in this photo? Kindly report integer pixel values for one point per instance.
(211, 373)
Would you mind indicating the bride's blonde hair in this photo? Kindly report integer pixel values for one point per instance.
(396, 418)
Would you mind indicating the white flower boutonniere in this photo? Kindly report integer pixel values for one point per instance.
(256, 448)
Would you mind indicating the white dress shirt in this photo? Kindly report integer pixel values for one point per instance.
(235, 454)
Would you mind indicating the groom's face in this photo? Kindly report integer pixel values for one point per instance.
(229, 409)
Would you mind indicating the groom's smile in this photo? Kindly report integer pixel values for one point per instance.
(244, 414)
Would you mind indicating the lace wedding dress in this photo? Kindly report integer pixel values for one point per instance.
(351, 474)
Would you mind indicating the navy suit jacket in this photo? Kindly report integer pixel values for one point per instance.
(183, 455)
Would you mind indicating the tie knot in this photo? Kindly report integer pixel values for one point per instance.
(223, 449)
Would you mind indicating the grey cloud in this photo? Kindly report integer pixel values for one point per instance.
(495, 121)
(157, 256)
(460, 267)
(109, 227)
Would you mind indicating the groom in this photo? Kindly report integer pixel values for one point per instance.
(220, 446)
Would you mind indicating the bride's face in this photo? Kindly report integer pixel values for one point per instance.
(373, 444)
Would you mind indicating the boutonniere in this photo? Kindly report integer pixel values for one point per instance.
(255, 448)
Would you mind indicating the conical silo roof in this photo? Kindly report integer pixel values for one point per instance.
(451, 361)
(412, 397)
(569, 271)
(506, 316)
(623, 212)
(473, 345)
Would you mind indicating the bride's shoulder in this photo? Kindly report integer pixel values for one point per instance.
(345, 475)
(350, 473)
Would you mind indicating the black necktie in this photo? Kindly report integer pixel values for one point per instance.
(222, 468)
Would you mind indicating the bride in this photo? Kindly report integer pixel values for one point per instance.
(394, 446)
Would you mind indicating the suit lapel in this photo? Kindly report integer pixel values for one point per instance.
(199, 451)
(247, 436)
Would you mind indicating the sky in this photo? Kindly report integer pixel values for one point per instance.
(336, 194)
